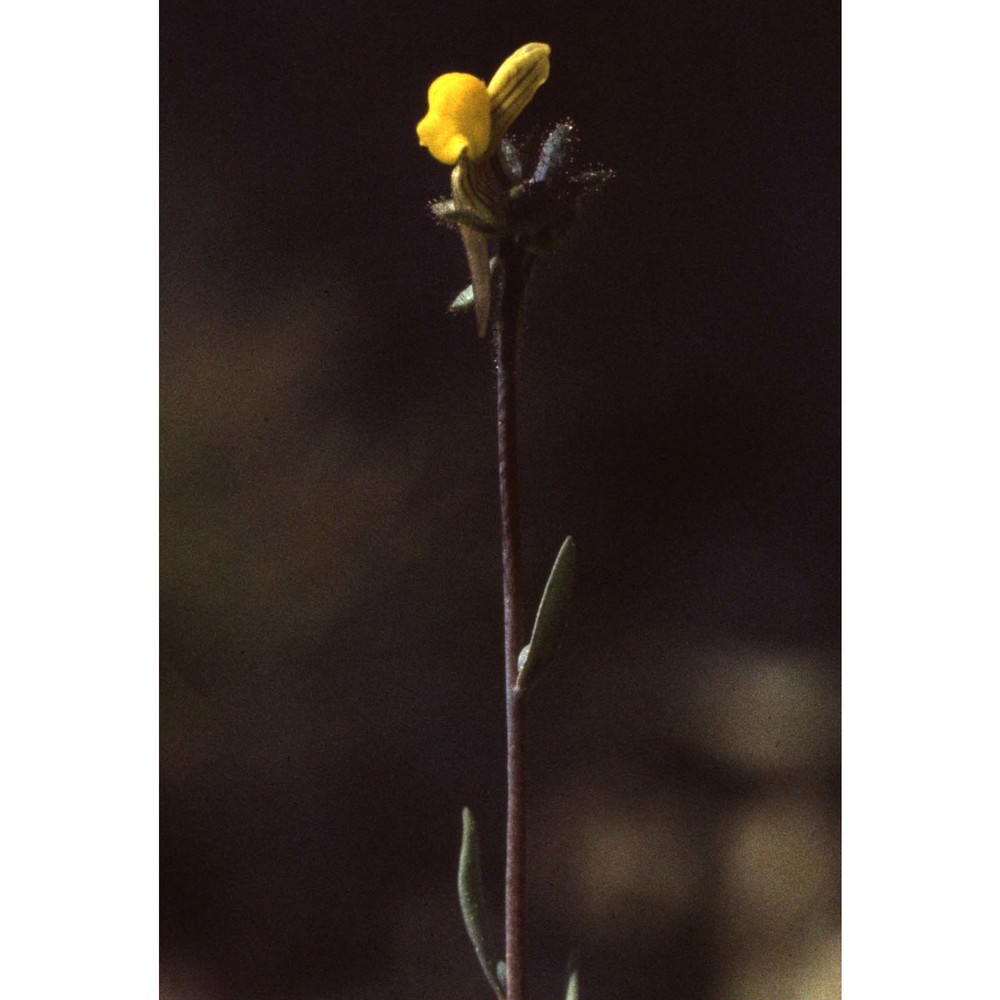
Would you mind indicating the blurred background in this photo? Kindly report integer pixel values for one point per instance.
(331, 617)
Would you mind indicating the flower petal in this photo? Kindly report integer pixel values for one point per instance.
(457, 119)
(513, 86)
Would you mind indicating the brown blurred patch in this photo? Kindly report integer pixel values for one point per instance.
(276, 515)
(805, 970)
(614, 861)
(778, 869)
(766, 712)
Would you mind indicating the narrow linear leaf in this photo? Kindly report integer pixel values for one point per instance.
(573, 986)
(573, 982)
(550, 619)
(472, 901)
(463, 301)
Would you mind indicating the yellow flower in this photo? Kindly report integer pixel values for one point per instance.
(465, 115)
(458, 119)
(465, 123)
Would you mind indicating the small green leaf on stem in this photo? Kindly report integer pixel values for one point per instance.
(472, 901)
(463, 301)
(551, 618)
(573, 983)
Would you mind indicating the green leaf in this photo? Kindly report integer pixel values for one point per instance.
(573, 983)
(551, 618)
(472, 901)
(463, 301)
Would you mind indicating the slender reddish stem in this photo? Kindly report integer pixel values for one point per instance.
(515, 264)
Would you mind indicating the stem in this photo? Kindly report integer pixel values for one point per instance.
(514, 269)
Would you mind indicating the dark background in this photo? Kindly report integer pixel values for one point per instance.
(331, 621)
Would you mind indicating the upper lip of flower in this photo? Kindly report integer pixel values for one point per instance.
(514, 85)
(467, 116)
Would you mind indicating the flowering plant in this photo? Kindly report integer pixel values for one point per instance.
(522, 201)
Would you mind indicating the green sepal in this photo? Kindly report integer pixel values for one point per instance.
(510, 158)
(555, 153)
(502, 974)
(458, 216)
(550, 619)
(441, 207)
(472, 901)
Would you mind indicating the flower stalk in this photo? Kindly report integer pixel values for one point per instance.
(515, 266)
